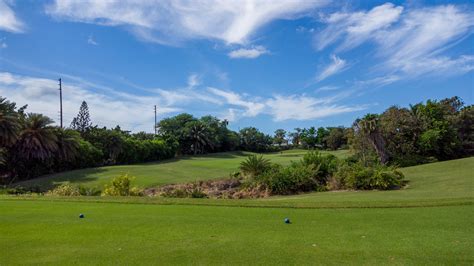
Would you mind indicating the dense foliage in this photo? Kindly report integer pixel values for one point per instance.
(435, 130)
(31, 146)
(258, 177)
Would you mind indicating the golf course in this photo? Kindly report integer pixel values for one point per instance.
(179, 170)
(245, 132)
(429, 220)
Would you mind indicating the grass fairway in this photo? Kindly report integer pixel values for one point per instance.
(184, 169)
(371, 228)
(35, 232)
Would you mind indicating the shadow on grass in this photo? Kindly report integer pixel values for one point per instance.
(48, 182)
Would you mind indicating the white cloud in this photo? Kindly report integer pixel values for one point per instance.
(408, 42)
(8, 19)
(169, 22)
(253, 52)
(414, 47)
(337, 65)
(230, 115)
(301, 107)
(3, 43)
(193, 80)
(356, 27)
(252, 108)
(130, 111)
(91, 41)
(327, 88)
(111, 107)
(379, 81)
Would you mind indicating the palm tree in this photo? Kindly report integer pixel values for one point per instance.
(369, 126)
(37, 139)
(199, 137)
(9, 123)
(68, 144)
(254, 165)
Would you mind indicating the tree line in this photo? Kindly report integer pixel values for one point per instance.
(31, 146)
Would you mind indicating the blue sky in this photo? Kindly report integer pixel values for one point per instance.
(269, 64)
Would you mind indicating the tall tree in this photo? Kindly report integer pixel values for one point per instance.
(199, 135)
(37, 140)
(309, 137)
(82, 121)
(68, 144)
(296, 136)
(279, 137)
(335, 138)
(9, 123)
(369, 127)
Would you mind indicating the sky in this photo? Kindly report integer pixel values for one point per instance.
(268, 64)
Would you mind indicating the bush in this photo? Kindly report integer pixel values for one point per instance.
(64, 190)
(324, 165)
(358, 176)
(121, 186)
(89, 191)
(294, 178)
(254, 166)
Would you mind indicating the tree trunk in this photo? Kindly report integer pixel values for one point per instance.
(379, 145)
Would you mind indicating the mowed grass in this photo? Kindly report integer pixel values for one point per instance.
(180, 170)
(371, 228)
(50, 233)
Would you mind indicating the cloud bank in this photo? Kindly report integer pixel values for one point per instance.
(170, 22)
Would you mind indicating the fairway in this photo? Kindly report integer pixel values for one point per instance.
(51, 233)
(430, 221)
(183, 169)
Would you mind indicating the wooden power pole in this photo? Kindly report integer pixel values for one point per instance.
(60, 103)
(154, 126)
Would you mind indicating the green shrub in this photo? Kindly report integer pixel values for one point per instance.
(64, 190)
(89, 191)
(254, 166)
(121, 186)
(327, 164)
(294, 178)
(358, 176)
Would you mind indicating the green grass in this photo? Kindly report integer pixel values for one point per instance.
(39, 232)
(184, 169)
(430, 222)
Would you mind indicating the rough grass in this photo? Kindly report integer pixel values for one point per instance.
(184, 169)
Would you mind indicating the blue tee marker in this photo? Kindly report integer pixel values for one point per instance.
(81, 215)
(287, 220)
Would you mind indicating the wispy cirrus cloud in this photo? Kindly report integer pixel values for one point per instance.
(356, 27)
(302, 107)
(408, 42)
(92, 41)
(170, 22)
(337, 65)
(251, 108)
(252, 52)
(107, 109)
(8, 19)
(133, 112)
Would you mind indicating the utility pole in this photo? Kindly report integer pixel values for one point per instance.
(61, 102)
(155, 121)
